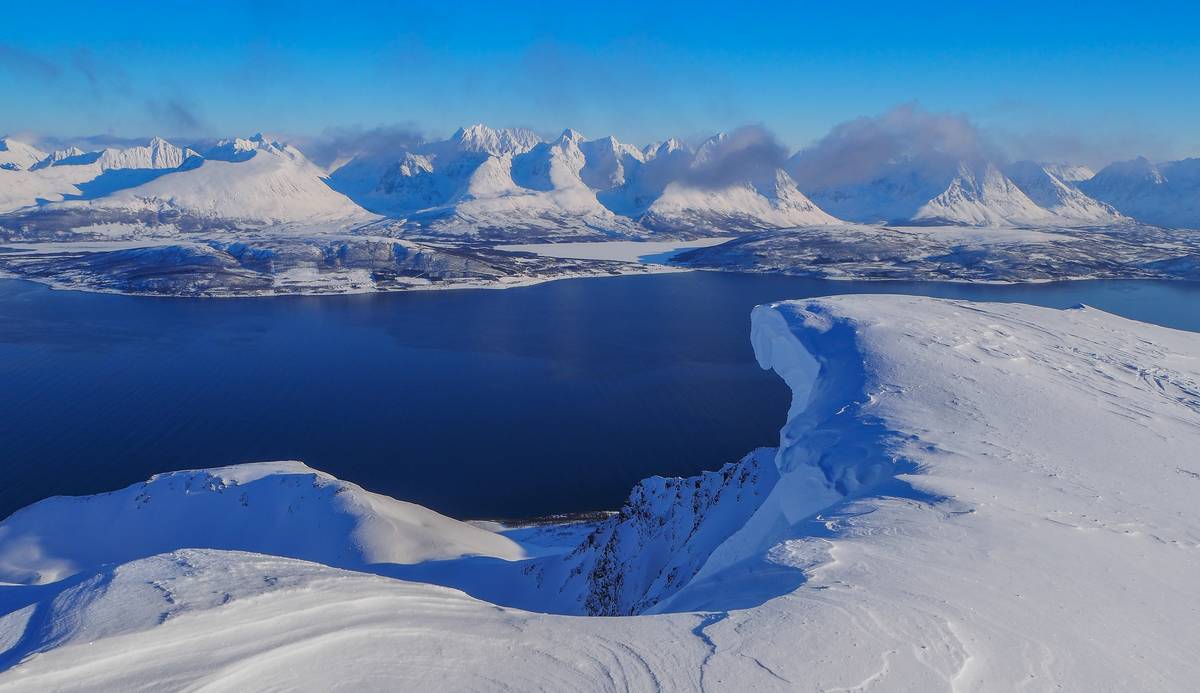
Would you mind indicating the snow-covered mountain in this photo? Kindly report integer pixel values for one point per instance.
(156, 154)
(18, 156)
(73, 173)
(1167, 194)
(941, 190)
(1053, 188)
(255, 179)
(982, 196)
(773, 203)
(1069, 173)
(508, 183)
(483, 181)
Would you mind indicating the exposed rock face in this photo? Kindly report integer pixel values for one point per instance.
(662, 536)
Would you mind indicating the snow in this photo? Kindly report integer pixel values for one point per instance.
(964, 497)
(260, 180)
(982, 198)
(623, 251)
(16, 155)
(959, 253)
(277, 508)
(508, 184)
(776, 204)
(1057, 195)
(935, 190)
(1166, 193)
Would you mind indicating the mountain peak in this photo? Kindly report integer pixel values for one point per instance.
(17, 155)
(497, 142)
(571, 135)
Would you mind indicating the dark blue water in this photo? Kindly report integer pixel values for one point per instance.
(522, 402)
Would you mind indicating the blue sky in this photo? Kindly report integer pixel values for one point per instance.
(1112, 77)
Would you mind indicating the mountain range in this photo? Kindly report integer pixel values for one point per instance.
(486, 183)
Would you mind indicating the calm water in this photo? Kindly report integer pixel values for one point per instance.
(521, 402)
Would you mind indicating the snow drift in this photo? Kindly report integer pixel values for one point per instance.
(277, 508)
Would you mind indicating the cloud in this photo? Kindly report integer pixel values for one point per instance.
(26, 64)
(749, 153)
(1093, 150)
(860, 149)
(175, 115)
(347, 141)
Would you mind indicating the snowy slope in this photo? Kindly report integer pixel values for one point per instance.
(21, 188)
(982, 196)
(256, 179)
(18, 156)
(278, 508)
(1167, 194)
(1069, 173)
(73, 173)
(967, 496)
(940, 190)
(773, 203)
(1057, 195)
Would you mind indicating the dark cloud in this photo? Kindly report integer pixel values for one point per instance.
(26, 64)
(175, 115)
(85, 142)
(749, 153)
(84, 62)
(341, 142)
(860, 149)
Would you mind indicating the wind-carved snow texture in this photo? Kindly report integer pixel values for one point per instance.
(965, 497)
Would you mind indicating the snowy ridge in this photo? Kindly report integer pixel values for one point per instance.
(943, 191)
(1167, 194)
(282, 508)
(1044, 186)
(277, 508)
(254, 179)
(969, 496)
(486, 182)
(984, 197)
(774, 204)
(17, 156)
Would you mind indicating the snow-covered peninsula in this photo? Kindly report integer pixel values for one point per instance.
(964, 497)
